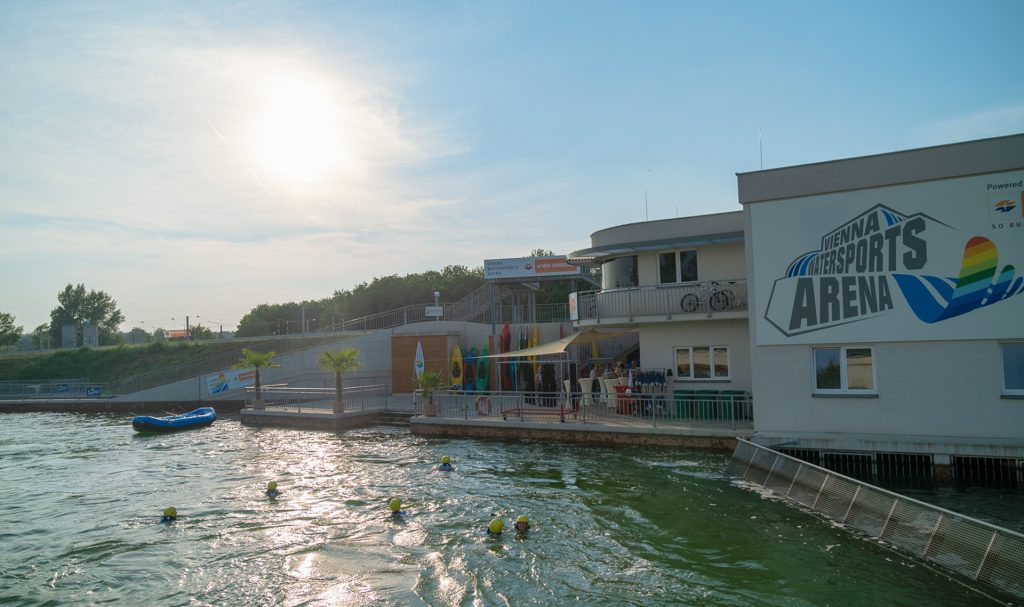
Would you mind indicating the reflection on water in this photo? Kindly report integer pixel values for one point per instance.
(83, 494)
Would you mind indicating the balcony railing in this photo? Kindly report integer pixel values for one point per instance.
(676, 301)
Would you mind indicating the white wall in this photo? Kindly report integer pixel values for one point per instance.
(714, 262)
(940, 389)
(657, 343)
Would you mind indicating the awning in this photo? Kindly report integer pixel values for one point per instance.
(559, 346)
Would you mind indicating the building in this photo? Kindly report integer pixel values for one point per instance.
(888, 308)
(887, 331)
(682, 284)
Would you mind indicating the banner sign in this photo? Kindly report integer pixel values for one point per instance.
(935, 260)
(93, 391)
(432, 311)
(529, 268)
(232, 379)
(574, 312)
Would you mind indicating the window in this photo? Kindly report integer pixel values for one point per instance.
(677, 266)
(619, 272)
(1013, 367)
(840, 369)
(702, 362)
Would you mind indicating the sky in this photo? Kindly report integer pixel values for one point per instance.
(201, 158)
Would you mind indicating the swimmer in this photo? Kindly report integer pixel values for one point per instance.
(272, 489)
(395, 505)
(496, 527)
(446, 464)
(170, 515)
(522, 524)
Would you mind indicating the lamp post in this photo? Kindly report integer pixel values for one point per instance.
(437, 303)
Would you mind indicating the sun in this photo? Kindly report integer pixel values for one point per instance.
(298, 132)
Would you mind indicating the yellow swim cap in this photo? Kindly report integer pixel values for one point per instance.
(496, 526)
(395, 504)
(272, 486)
(446, 460)
(171, 512)
(522, 519)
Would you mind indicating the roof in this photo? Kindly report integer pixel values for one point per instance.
(584, 256)
(962, 159)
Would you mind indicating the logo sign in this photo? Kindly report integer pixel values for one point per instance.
(93, 391)
(892, 273)
(62, 388)
(528, 268)
(233, 379)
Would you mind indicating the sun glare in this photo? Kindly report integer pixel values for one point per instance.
(298, 134)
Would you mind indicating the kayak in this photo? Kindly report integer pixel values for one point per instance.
(204, 416)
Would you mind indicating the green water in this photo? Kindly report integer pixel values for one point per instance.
(82, 496)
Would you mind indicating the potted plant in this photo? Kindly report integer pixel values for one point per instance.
(254, 360)
(339, 361)
(429, 382)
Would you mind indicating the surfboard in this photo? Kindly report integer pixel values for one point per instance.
(483, 371)
(504, 344)
(419, 363)
(455, 368)
(469, 369)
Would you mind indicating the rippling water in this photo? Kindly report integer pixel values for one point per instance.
(81, 497)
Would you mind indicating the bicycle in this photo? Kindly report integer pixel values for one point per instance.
(716, 298)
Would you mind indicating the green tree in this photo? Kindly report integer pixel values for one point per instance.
(9, 334)
(201, 332)
(76, 306)
(41, 337)
(138, 335)
(339, 361)
(254, 360)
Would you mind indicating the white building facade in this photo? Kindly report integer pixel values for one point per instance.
(681, 283)
(887, 301)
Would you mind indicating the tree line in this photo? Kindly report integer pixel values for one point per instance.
(80, 308)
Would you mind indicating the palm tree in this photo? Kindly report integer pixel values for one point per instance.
(255, 360)
(339, 361)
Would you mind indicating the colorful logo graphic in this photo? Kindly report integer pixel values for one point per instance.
(1004, 206)
(850, 277)
(935, 299)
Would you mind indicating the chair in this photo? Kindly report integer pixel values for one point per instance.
(608, 394)
(586, 387)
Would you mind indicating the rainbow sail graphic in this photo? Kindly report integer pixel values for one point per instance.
(934, 299)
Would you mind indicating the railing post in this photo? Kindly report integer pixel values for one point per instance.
(981, 565)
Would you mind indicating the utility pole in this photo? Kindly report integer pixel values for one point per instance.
(188, 332)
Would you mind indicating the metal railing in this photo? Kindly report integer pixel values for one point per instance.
(416, 313)
(54, 388)
(651, 405)
(975, 549)
(318, 400)
(703, 298)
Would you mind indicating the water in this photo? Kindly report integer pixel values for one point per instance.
(82, 496)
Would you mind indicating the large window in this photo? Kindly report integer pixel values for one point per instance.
(1013, 367)
(840, 369)
(702, 362)
(619, 272)
(677, 266)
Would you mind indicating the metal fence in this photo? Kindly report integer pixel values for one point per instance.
(974, 549)
(319, 400)
(54, 388)
(654, 406)
(706, 298)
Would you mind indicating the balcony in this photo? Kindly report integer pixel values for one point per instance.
(691, 301)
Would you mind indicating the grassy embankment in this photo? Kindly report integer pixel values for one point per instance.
(114, 363)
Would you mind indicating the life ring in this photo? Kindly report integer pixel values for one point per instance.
(482, 403)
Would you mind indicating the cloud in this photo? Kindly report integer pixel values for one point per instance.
(989, 122)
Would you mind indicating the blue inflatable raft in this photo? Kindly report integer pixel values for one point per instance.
(204, 416)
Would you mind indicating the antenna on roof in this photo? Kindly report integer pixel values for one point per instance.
(760, 144)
